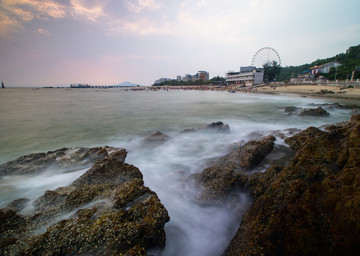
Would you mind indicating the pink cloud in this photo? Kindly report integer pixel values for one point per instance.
(42, 31)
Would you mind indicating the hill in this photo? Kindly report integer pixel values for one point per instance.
(127, 83)
(350, 61)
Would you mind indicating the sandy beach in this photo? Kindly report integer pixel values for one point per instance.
(314, 90)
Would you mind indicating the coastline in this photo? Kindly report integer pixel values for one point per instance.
(301, 90)
(313, 91)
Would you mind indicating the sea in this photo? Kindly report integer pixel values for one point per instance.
(42, 119)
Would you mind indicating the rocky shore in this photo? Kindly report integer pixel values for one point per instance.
(311, 205)
(306, 203)
(106, 211)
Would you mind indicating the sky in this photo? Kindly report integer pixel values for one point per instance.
(106, 42)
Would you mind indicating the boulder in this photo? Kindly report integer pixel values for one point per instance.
(106, 211)
(310, 206)
(291, 109)
(223, 175)
(218, 127)
(65, 158)
(157, 138)
(314, 112)
(213, 127)
(319, 111)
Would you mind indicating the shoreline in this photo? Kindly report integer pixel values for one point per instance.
(316, 91)
(313, 91)
(319, 91)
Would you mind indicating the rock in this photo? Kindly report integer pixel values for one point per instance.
(111, 170)
(59, 159)
(291, 109)
(309, 207)
(325, 91)
(314, 112)
(213, 127)
(191, 130)
(300, 139)
(12, 225)
(157, 138)
(106, 211)
(222, 177)
(283, 134)
(18, 204)
(218, 127)
(319, 111)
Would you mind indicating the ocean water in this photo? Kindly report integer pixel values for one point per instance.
(39, 120)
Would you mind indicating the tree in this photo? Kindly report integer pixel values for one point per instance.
(271, 70)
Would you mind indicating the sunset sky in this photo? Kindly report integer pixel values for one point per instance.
(58, 42)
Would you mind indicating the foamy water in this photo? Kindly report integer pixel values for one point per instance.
(47, 119)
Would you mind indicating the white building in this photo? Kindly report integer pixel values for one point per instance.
(247, 76)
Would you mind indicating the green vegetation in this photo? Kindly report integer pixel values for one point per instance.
(271, 70)
(350, 61)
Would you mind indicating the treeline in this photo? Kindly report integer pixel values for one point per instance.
(350, 61)
(214, 80)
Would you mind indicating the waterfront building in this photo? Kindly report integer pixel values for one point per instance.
(248, 76)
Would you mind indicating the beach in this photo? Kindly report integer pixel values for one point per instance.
(303, 90)
(313, 90)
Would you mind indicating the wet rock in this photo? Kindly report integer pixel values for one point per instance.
(319, 111)
(310, 206)
(106, 211)
(18, 204)
(157, 138)
(213, 127)
(291, 109)
(218, 127)
(190, 130)
(314, 112)
(223, 175)
(300, 139)
(65, 158)
(12, 225)
(283, 134)
(111, 170)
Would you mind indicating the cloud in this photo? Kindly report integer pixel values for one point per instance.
(142, 26)
(8, 25)
(14, 13)
(202, 3)
(80, 9)
(42, 31)
(138, 6)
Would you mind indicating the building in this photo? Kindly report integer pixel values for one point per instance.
(304, 77)
(200, 75)
(162, 80)
(325, 68)
(247, 76)
(203, 75)
(186, 78)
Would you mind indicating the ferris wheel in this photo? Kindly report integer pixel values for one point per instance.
(264, 56)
